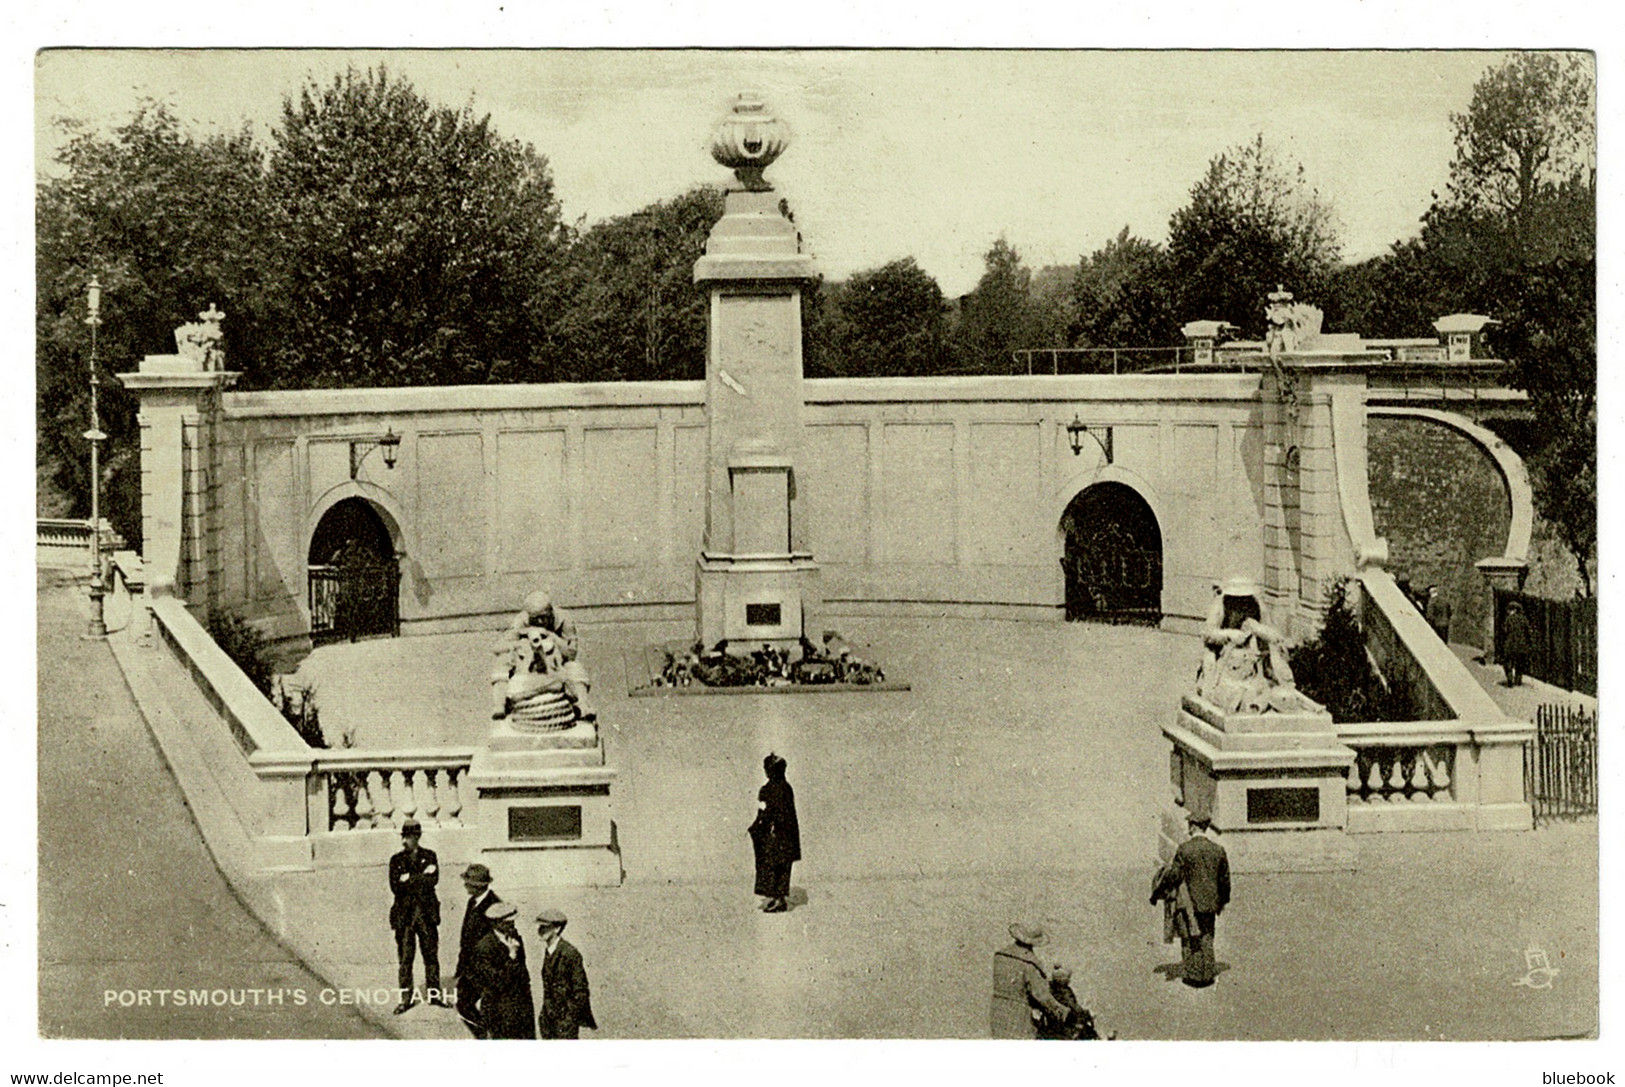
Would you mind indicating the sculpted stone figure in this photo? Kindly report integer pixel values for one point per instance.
(202, 341)
(537, 682)
(1244, 668)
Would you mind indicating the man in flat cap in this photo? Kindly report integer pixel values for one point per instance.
(477, 882)
(1021, 989)
(415, 914)
(501, 979)
(1198, 877)
(566, 1000)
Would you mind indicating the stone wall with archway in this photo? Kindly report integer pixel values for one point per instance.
(924, 495)
(1447, 493)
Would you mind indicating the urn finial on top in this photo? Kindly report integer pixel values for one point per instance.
(748, 140)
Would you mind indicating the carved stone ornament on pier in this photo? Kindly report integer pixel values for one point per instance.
(201, 341)
(748, 140)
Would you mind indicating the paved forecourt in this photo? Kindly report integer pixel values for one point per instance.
(1020, 776)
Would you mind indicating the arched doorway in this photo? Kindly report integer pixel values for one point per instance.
(353, 576)
(1112, 556)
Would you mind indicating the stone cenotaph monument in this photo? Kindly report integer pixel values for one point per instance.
(757, 583)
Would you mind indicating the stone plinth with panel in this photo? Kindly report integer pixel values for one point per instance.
(1273, 784)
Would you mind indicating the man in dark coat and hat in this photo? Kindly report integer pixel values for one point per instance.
(1515, 643)
(776, 836)
(415, 913)
(1438, 612)
(1200, 870)
(503, 1006)
(477, 882)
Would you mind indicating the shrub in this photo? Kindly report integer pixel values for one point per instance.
(245, 645)
(297, 705)
(1335, 671)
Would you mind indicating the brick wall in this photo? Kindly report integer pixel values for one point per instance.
(1439, 499)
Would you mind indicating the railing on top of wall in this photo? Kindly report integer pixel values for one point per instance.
(1104, 360)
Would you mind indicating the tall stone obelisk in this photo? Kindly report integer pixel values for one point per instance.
(757, 582)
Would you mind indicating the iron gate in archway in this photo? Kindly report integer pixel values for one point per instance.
(1113, 557)
(354, 579)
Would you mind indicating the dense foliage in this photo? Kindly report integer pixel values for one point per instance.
(1252, 223)
(1335, 671)
(412, 244)
(381, 239)
(1124, 297)
(247, 647)
(167, 223)
(630, 311)
(889, 321)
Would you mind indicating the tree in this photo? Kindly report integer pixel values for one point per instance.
(167, 223)
(1334, 668)
(1550, 336)
(630, 308)
(1054, 309)
(1123, 297)
(1515, 238)
(1522, 193)
(1251, 223)
(414, 246)
(998, 317)
(1528, 130)
(887, 321)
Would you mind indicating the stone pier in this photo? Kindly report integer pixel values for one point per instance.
(756, 581)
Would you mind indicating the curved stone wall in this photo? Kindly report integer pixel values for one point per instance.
(1443, 502)
(941, 493)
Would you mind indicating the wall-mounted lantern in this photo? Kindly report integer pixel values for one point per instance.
(389, 442)
(1076, 429)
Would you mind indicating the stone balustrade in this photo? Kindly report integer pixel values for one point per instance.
(1457, 764)
(357, 791)
(1403, 774)
(64, 543)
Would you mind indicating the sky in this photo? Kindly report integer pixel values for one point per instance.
(932, 154)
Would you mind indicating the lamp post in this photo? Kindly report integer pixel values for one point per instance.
(98, 588)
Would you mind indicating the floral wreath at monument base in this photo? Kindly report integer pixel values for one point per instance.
(691, 668)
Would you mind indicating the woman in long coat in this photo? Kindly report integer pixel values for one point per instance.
(776, 836)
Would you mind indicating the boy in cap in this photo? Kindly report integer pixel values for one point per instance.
(415, 914)
(501, 979)
(566, 998)
(1081, 1025)
(477, 882)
